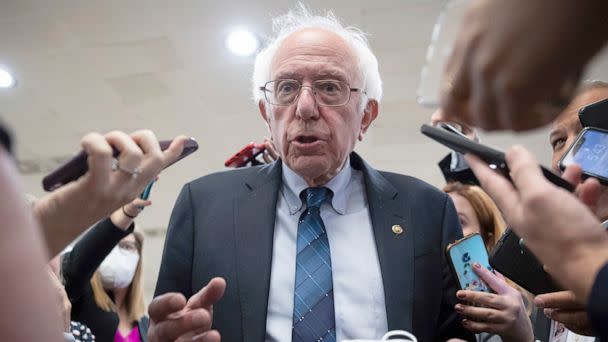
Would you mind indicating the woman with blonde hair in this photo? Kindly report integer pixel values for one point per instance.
(504, 314)
(103, 278)
(477, 212)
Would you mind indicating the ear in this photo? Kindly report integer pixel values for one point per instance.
(370, 113)
(264, 113)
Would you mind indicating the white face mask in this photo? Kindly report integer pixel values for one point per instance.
(118, 268)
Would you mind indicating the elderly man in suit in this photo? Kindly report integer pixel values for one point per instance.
(318, 246)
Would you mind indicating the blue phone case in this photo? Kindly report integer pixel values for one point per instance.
(146, 193)
(462, 254)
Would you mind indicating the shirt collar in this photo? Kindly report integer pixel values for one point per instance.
(293, 185)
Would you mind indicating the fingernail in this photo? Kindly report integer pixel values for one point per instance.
(458, 308)
(477, 265)
(460, 294)
(548, 312)
(465, 322)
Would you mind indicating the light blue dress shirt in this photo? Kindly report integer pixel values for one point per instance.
(357, 281)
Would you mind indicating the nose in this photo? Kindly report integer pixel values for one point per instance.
(306, 106)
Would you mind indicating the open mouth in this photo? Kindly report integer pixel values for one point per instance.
(306, 139)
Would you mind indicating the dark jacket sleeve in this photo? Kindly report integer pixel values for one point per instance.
(175, 273)
(449, 322)
(598, 304)
(88, 253)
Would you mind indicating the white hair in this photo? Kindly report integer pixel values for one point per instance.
(302, 18)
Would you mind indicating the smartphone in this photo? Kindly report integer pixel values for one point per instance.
(78, 166)
(462, 254)
(594, 115)
(511, 258)
(146, 193)
(495, 158)
(245, 155)
(590, 152)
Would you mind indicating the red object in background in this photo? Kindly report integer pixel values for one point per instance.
(245, 155)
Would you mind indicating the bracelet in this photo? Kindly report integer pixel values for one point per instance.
(127, 215)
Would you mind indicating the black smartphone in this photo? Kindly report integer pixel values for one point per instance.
(590, 152)
(495, 158)
(462, 254)
(595, 114)
(511, 258)
(78, 166)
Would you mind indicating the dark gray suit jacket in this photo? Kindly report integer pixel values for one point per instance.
(222, 225)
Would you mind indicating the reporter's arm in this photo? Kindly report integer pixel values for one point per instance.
(26, 288)
(68, 211)
(575, 247)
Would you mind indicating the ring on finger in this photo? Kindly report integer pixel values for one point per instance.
(117, 167)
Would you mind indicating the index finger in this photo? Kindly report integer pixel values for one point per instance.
(558, 300)
(208, 295)
(495, 283)
(525, 170)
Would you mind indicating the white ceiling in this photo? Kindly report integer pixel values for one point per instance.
(117, 64)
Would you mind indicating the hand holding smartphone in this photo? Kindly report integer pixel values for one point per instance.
(78, 166)
(495, 158)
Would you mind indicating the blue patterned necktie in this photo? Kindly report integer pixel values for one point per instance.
(313, 311)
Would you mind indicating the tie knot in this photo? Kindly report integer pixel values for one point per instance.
(314, 197)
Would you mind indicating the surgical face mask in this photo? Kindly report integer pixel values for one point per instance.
(118, 268)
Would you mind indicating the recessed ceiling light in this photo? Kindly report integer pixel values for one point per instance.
(6, 79)
(242, 42)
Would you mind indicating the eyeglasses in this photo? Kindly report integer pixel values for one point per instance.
(329, 93)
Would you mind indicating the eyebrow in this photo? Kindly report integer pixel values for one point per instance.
(321, 75)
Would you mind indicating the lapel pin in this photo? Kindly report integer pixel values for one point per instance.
(397, 229)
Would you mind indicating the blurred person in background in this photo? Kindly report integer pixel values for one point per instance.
(103, 277)
(30, 311)
(515, 64)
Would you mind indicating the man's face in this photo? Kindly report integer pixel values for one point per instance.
(314, 140)
(567, 126)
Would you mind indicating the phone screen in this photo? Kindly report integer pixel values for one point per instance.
(463, 254)
(590, 152)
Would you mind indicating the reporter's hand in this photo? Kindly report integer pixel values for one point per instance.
(565, 308)
(509, 69)
(172, 318)
(66, 212)
(502, 312)
(559, 229)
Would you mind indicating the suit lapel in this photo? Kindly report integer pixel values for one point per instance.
(395, 251)
(255, 212)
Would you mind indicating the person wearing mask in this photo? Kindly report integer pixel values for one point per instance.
(103, 278)
(503, 313)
